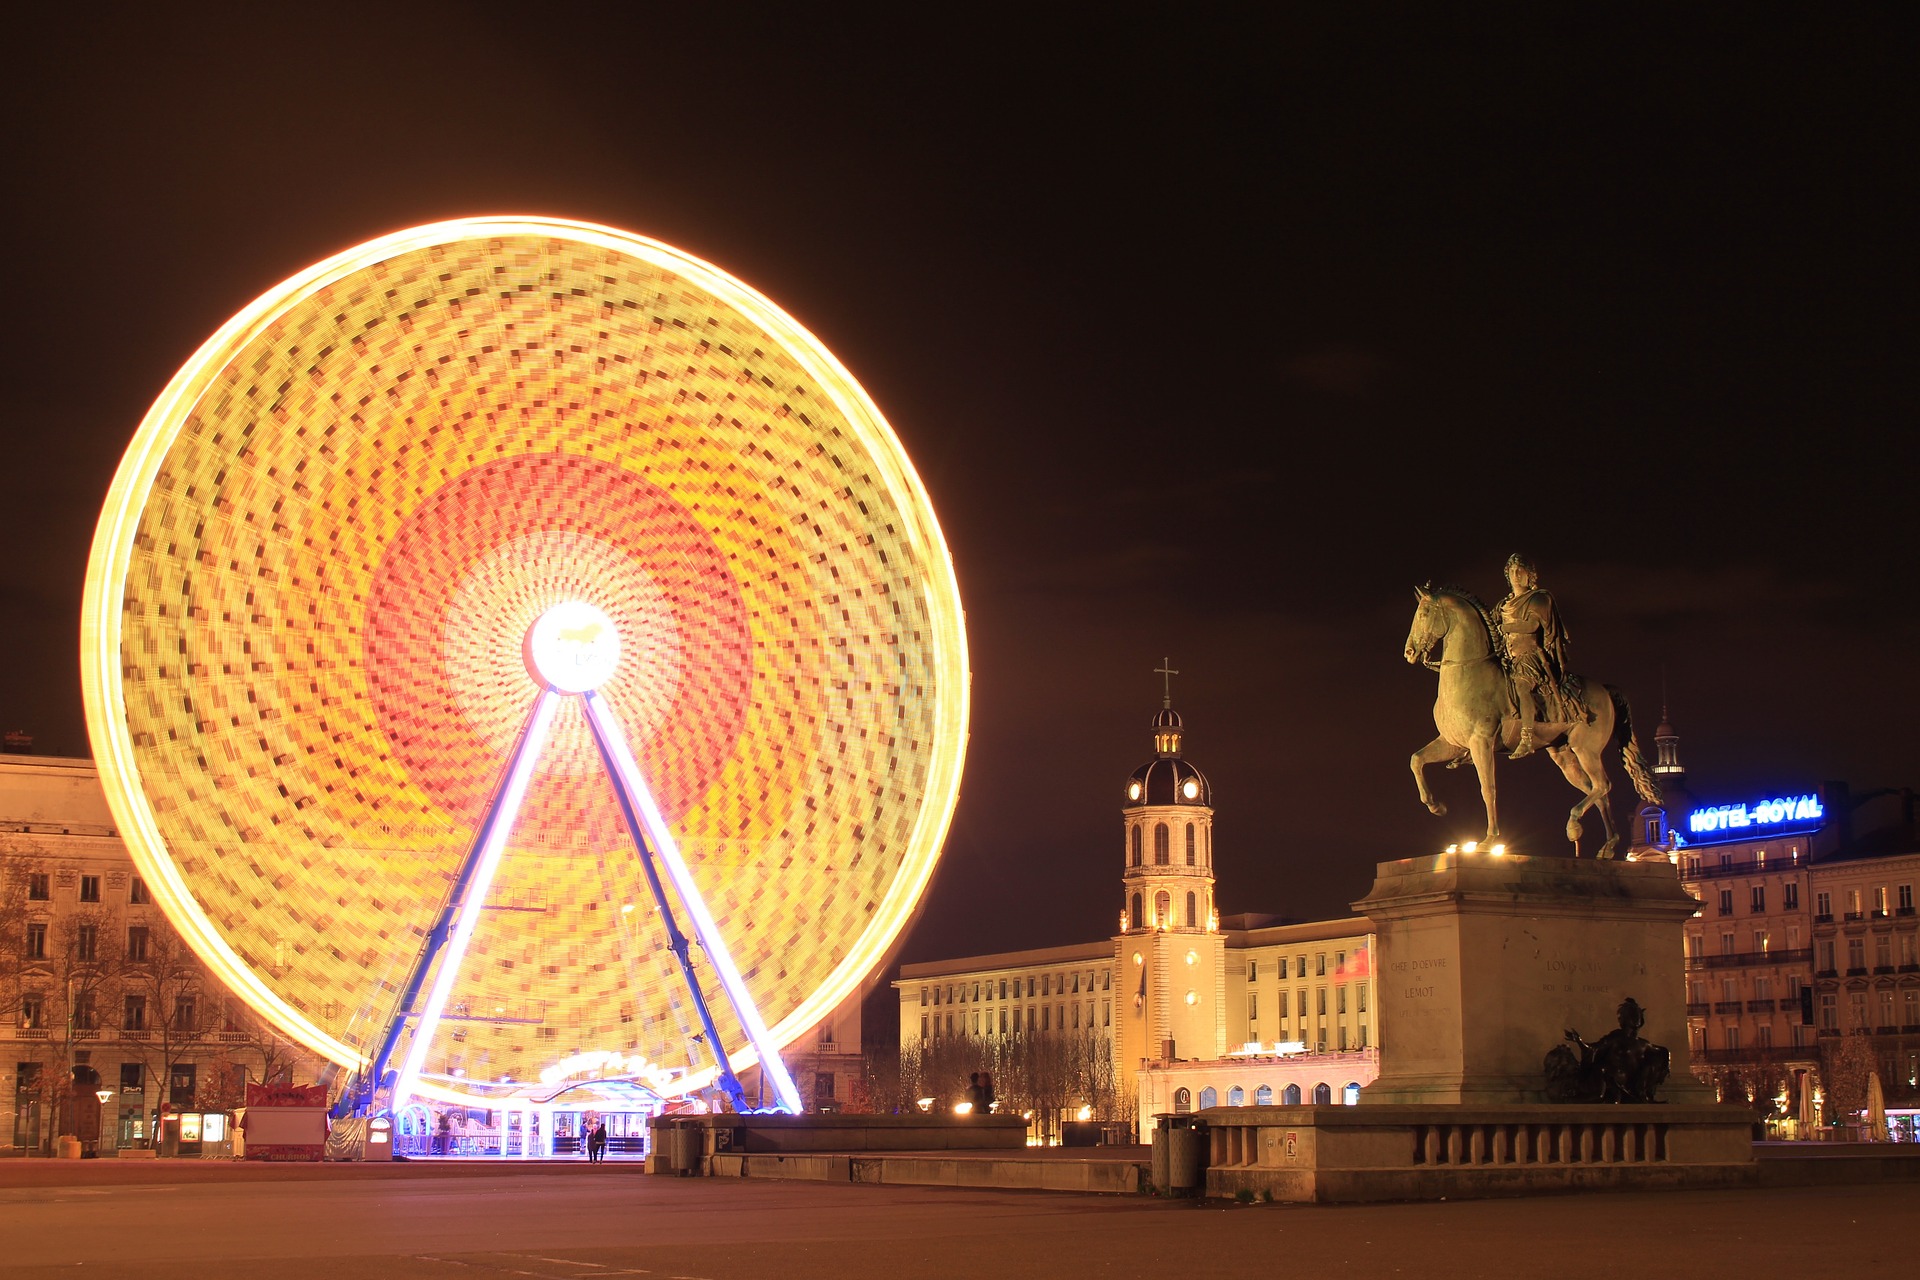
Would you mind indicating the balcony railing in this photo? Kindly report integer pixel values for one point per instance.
(1824, 917)
(1698, 1008)
(1745, 959)
(1745, 867)
(1760, 1006)
(1726, 1006)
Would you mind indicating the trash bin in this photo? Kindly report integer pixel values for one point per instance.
(684, 1149)
(1179, 1155)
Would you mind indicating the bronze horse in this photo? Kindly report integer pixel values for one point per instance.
(1475, 717)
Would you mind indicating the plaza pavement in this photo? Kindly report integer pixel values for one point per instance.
(205, 1220)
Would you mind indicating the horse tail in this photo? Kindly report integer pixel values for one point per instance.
(1630, 756)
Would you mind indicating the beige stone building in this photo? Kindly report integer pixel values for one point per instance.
(97, 992)
(1178, 995)
(1806, 934)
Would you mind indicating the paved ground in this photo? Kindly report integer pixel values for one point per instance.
(174, 1220)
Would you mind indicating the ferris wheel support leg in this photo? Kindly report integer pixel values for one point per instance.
(453, 929)
(650, 828)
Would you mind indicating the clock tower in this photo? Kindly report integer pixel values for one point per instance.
(1171, 959)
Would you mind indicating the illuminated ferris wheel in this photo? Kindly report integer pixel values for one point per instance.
(514, 638)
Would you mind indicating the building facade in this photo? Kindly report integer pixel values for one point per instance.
(1801, 942)
(98, 994)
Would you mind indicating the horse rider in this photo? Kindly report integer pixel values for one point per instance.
(1536, 650)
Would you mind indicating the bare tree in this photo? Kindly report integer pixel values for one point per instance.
(161, 1002)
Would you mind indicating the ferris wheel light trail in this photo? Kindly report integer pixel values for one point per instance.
(613, 744)
(499, 824)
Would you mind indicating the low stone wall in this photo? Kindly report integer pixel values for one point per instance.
(1412, 1152)
(792, 1135)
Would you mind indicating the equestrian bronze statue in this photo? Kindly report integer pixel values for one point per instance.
(1504, 684)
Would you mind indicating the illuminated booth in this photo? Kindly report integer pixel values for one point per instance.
(513, 639)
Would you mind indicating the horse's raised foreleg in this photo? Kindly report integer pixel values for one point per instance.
(1598, 790)
(1433, 753)
(1569, 763)
(1484, 756)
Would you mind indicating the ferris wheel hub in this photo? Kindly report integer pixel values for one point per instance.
(573, 647)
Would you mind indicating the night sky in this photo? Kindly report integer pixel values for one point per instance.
(1209, 340)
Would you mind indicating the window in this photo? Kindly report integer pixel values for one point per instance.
(89, 888)
(823, 1086)
(86, 1016)
(1136, 919)
(36, 945)
(1106, 1013)
(1003, 1022)
(1883, 952)
(976, 991)
(1136, 846)
(137, 943)
(1163, 909)
(1360, 990)
(1160, 845)
(1190, 861)
(1760, 941)
(1853, 903)
(1046, 1017)
(1263, 1096)
(133, 1015)
(1762, 987)
(1253, 970)
(1733, 1037)
(1253, 1006)
(1029, 987)
(923, 1026)
(1906, 897)
(1726, 943)
(1046, 984)
(1694, 947)
(1790, 896)
(38, 887)
(1912, 1018)
(1763, 1035)
(1320, 1001)
(186, 1012)
(1322, 1095)
(1343, 1037)
(1856, 954)
(1236, 1097)
(137, 892)
(1823, 905)
(182, 1084)
(1880, 901)
(1300, 966)
(1303, 1002)
(1726, 902)
(1320, 964)
(1281, 965)
(1758, 902)
(1826, 956)
(1208, 1098)
(1290, 1096)
(133, 1077)
(1192, 916)
(86, 942)
(33, 1010)
(1003, 988)
(1856, 1009)
(1340, 998)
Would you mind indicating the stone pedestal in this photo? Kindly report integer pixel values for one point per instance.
(1483, 961)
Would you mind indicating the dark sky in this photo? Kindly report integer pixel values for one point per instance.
(1209, 339)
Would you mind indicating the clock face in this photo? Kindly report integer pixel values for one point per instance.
(398, 494)
(1133, 791)
(1191, 789)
